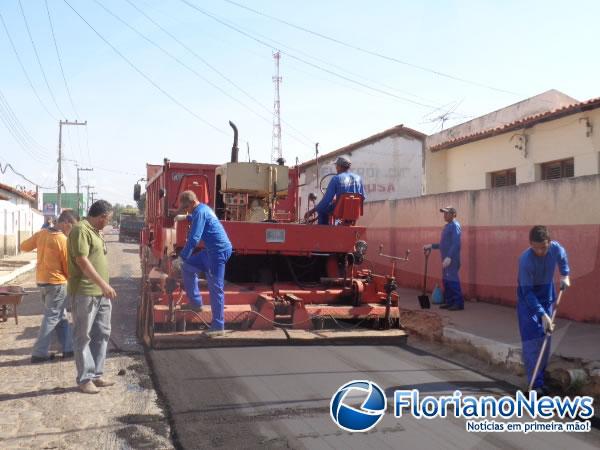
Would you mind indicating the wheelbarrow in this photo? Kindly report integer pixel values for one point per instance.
(10, 295)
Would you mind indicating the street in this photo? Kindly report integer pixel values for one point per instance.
(299, 225)
(235, 397)
(278, 397)
(40, 404)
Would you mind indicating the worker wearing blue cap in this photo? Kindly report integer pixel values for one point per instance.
(205, 227)
(344, 182)
(449, 247)
(536, 297)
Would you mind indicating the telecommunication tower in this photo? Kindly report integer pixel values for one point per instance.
(276, 151)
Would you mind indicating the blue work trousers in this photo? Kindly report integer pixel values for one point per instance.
(213, 266)
(452, 291)
(323, 217)
(91, 332)
(55, 319)
(532, 337)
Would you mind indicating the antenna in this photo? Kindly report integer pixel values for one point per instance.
(276, 151)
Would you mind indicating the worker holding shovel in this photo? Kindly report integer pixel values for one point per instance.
(449, 247)
(536, 297)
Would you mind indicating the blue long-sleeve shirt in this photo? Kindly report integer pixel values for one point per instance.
(205, 227)
(535, 287)
(342, 183)
(449, 245)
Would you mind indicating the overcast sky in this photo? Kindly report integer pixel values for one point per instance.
(457, 59)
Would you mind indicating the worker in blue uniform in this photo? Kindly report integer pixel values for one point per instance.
(343, 182)
(536, 296)
(205, 227)
(449, 247)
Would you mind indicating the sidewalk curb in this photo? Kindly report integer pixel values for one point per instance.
(489, 350)
(18, 272)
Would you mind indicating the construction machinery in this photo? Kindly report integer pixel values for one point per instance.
(286, 280)
(130, 227)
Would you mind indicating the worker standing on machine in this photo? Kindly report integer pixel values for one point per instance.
(344, 182)
(206, 227)
(536, 297)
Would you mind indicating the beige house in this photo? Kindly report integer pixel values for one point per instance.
(514, 146)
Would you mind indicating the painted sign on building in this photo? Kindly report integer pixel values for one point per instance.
(390, 168)
(67, 200)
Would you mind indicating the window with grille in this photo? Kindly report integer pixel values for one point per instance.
(504, 178)
(558, 169)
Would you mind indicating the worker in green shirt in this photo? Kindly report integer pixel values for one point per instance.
(91, 296)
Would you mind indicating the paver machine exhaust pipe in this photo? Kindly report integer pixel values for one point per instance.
(283, 274)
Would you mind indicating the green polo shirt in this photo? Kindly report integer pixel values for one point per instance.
(85, 240)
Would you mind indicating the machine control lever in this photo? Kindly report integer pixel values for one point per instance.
(394, 258)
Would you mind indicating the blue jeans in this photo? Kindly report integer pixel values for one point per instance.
(55, 319)
(213, 265)
(91, 331)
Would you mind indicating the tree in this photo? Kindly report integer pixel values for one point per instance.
(141, 204)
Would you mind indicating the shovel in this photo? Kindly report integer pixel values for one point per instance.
(545, 343)
(424, 298)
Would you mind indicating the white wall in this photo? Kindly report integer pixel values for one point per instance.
(391, 168)
(17, 223)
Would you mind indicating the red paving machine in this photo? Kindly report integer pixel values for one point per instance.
(286, 281)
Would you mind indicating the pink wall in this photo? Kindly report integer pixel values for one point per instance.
(489, 262)
(495, 226)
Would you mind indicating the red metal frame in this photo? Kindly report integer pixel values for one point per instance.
(357, 294)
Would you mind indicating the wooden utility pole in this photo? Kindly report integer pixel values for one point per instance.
(87, 198)
(59, 182)
(79, 169)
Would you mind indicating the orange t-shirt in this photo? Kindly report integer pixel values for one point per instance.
(51, 255)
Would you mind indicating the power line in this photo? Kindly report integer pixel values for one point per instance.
(371, 52)
(37, 57)
(146, 77)
(69, 136)
(87, 145)
(297, 58)
(9, 166)
(16, 129)
(170, 55)
(217, 71)
(354, 74)
(35, 92)
(95, 167)
(62, 71)
(183, 64)
(298, 69)
(16, 125)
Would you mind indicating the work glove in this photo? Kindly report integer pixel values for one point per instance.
(180, 217)
(547, 323)
(565, 282)
(427, 247)
(446, 262)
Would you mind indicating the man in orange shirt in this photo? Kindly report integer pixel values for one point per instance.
(51, 276)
